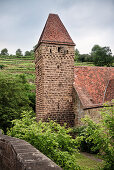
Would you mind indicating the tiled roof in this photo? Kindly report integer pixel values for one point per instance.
(109, 91)
(55, 32)
(94, 85)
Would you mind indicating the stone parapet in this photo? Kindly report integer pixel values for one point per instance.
(17, 154)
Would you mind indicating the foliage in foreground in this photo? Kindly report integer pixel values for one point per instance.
(100, 136)
(15, 96)
(50, 138)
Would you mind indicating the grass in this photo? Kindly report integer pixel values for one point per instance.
(87, 163)
(16, 66)
(84, 64)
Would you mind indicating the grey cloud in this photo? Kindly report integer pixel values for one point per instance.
(87, 21)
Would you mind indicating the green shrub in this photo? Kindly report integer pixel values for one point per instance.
(1, 67)
(100, 136)
(85, 145)
(50, 138)
(14, 98)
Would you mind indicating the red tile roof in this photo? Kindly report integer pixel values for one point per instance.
(109, 93)
(94, 85)
(55, 32)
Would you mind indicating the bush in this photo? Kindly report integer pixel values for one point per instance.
(100, 136)
(50, 138)
(85, 145)
(1, 67)
(14, 98)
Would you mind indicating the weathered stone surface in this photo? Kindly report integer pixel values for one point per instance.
(17, 154)
(80, 112)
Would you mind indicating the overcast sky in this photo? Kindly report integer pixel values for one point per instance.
(88, 22)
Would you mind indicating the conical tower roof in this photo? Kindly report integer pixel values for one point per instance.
(55, 32)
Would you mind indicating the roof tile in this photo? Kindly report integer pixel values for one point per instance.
(91, 83)
(55, 32)
(109, 91)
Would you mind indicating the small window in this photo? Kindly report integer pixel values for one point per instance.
(58, 106)
(59, 49)
(67, 51)
(60, 84)
(58, 66)
(50, 51)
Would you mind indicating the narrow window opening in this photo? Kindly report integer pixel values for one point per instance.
(67, 51)
(50, 51)
(58, 106)
(60, 84)
(58, 66)
(59, 49)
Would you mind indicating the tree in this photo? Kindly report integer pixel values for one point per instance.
(82, 57)
(77, 54)
(27, 53)
(13, 99)
(88, 58)
(102, 56)
(32, 53)
(95, 48)
(19, 52)
(4, 51)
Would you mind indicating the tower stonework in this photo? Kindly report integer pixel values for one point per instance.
(54, 62)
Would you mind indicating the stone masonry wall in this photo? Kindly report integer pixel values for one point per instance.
(16, 154)
(39, 81)
(93, 113)
(54, 83)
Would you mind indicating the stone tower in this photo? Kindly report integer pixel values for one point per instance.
(54, 62)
